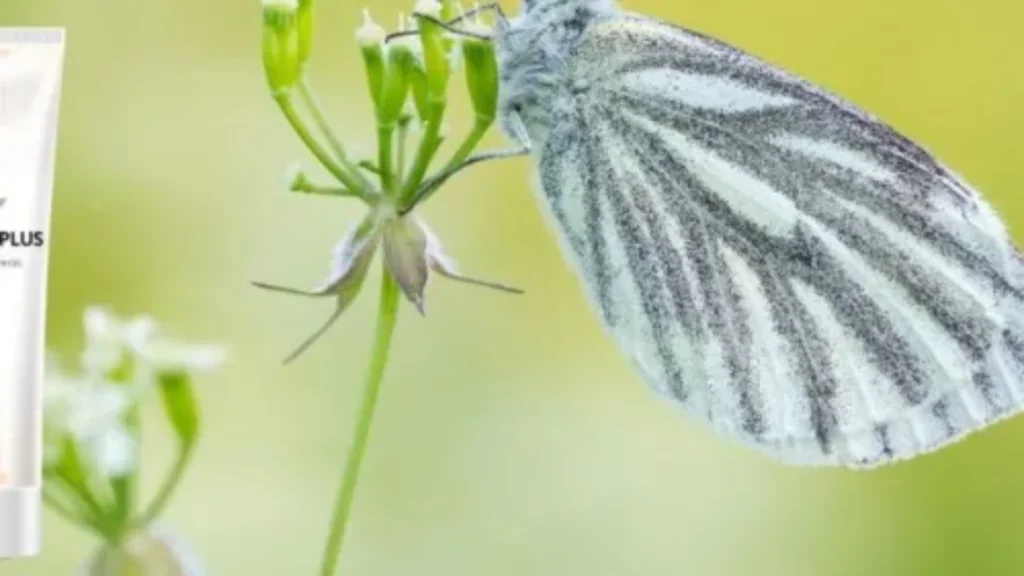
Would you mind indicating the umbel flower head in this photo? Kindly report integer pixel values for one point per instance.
(408, 75)
(122, 363)
(92, 427)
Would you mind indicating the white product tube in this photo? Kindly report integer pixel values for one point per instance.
(31, 67)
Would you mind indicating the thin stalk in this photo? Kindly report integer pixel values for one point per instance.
(166, 490)
(425, 153)
(386, 316)
(472, 140)
(403, 133)
(284, 102)
(329, 191)
(320, 118)
(385, 144)
(64, 511)
(102, 519)
(126, 487)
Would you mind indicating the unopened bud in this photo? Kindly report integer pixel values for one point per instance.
(370, 37)
(304, 24)
(481, 72)
(281, 60)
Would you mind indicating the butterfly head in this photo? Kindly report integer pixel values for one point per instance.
(533, 49)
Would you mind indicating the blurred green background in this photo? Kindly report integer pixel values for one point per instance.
(512, 438)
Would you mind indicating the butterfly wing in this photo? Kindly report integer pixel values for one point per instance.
(776, 260)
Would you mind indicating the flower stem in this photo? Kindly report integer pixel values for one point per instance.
(386, 316)
(54, 503)
(480, 127)
(306, 92)
(284, 101)
(163, 495)
(425, 153)
(385, 144)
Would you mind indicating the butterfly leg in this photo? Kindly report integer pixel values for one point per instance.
(516, 130)
(490, 6)
(454, 29)
(452, 24)
(432, 184)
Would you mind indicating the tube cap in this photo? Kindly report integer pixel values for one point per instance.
(20, 530)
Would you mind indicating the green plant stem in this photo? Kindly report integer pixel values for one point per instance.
(386, 317)
(385, 143)
(126, 487)
(317, 112)
(472, 140)
(65, 512)
(425, 153)
(103, 520)
(166, 490)
(403, 132)
(328, 191)
(284, 102)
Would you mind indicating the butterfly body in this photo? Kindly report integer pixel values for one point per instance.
(771, 258)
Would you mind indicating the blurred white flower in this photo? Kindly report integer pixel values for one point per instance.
(122, 361)
(111, 342)
(155, 551)
(90, 412)
(370, 33)
(164, 355)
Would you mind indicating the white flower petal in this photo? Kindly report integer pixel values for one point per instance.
(112, 452)
(139, 332)
(169, 355)
(100, 323)
(101, 357)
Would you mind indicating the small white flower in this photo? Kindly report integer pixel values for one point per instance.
(103, 326)
(110, 342)
(175, 356)
(294, 177)
(284, 5)
(109, 339)
(370, 33)
(428, 8)
(121, 362)
(91, 413)
(410, 42)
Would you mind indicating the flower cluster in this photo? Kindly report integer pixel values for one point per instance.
(91, 422)
(408, 74)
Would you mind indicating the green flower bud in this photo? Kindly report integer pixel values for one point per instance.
(281, 60)
(370, 37)
(418, 81)
(304, 24)
(481, 73)
(435, 50)
(449, 10)
(295, 180)
(402, 64)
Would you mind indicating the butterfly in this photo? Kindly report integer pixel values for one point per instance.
(774, 260)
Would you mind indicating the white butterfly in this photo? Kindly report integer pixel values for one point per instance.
(771, 258)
